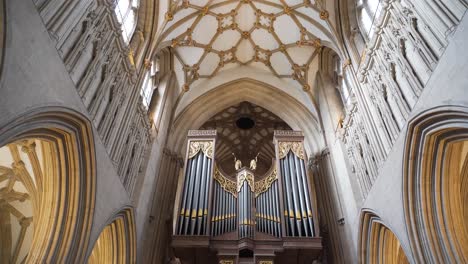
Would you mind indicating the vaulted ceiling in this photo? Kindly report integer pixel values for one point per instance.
(277, 37)
(246, 130)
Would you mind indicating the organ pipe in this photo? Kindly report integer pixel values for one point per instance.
(296, 194)
(197, 183)
(225, 201)
(214, 204)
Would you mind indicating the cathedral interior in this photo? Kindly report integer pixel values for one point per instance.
(233, 131)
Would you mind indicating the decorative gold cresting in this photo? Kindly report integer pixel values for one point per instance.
(224, 261)
(205, 146)
(295, 146)
(227, 184)
(245, 176)
(264, 184)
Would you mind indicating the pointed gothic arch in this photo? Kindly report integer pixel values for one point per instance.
(63, 192)
(377, 243)
(434, 185)
(295, 114)
(117, 241)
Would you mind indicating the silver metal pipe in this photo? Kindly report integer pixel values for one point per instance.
(271, 210)
(278, 213)
(190, 195)
(307, 195)
(214, 212)
(184, 194)
(201, 199)
(196, 196)
(209, 180)
(302, 200)
(288, 195)
(297, 208)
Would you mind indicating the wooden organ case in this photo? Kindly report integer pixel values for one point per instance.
(247, 218)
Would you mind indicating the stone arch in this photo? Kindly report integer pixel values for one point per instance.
(434, 185)
(63, 192)
(274, 100)
(116, 243)
(377, 243)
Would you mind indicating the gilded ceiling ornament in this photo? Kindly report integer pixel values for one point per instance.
(174, 43)
(295, 146)
(245, 176)
(324, 14)
(306, 87)
(169, 16)
(317, 43)
(227, 184)
(264, 184)
(205, 146)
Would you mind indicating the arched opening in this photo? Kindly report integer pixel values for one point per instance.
(47, 177)
(116, 243)
(295, 114)
(435, 184)
(378, 244)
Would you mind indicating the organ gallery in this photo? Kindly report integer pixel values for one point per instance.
(238, 214)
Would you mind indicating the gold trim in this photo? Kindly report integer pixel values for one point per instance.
(264, 184)
(245, 176)
(227, 184)
(205, 146)
(295, 146)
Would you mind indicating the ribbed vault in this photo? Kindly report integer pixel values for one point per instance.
(279, 37)
(246, 130)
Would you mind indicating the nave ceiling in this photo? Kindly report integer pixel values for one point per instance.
(277, 40)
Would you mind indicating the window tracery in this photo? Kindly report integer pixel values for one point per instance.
(126, 12)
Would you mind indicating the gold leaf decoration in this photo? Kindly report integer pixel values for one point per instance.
(227, 184)
(205, 146)
(295, 146)
(245, 176)
(264, 184)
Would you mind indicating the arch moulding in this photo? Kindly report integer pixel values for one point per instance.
(67, 199)
(271, 98)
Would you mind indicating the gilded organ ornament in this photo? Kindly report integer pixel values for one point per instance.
(227, 184)
(245, 176)
(197, 146)
(264, 184)
(295, 146)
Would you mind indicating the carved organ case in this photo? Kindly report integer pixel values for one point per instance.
(195, 203)
(296, 198)
(271, 215)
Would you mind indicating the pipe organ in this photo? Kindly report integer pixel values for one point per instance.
(224, 216)
(296, 197)
(267, 204)
(198, 178)
(234, 213)
(246, 189)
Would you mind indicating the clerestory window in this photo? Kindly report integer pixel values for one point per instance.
(126, 12)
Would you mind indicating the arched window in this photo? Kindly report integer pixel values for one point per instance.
(126, 11)
(367, 12)
(150, 83)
